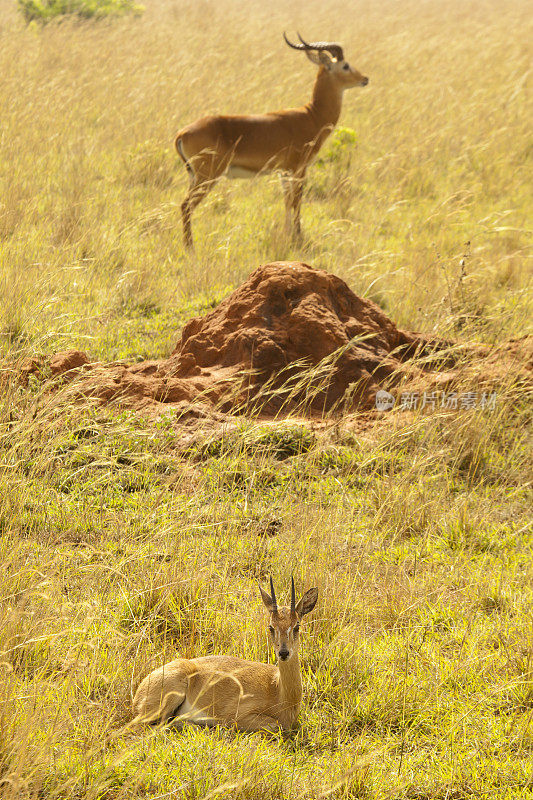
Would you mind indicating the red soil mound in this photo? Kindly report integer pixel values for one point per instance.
(285, 320)
(287, 323)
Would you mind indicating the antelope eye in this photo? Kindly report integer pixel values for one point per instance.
(346, 67)
(271, 629)
(296, 629)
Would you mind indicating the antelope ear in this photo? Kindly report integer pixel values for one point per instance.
(320, 57)
(267, 600)
(307, 603)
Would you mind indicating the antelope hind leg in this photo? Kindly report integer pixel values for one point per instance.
(160, 695)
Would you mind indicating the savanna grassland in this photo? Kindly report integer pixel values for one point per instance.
(126, 540)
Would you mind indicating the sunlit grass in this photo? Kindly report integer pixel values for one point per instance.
(125, 541)
(439, 174)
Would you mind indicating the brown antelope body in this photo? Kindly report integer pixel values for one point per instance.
(286, 141)
(222, 690)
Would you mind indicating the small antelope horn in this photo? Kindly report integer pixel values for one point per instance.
(293, 598)
(273, 597)
(331, 47)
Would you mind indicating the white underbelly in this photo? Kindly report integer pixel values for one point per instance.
(188, 713)
(240, 172)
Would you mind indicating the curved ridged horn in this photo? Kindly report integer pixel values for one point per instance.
(273, 597)
(294, 46)
(331, 47)
(293, 598)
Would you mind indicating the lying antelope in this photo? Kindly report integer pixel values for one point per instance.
(222, 690)
(286, 141)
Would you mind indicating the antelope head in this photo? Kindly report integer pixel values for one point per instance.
(330, 56)
(284, 623)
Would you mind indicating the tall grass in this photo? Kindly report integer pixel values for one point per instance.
(429, 217)
(125, 542)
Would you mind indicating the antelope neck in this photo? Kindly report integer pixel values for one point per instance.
(290, 680)
(326, 102)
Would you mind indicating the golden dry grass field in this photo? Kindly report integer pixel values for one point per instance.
(122, 544)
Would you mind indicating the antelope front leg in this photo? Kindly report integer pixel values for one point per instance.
(286, 183)
(297, 193)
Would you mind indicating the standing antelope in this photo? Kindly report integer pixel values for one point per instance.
(222, 690)
(286, 141)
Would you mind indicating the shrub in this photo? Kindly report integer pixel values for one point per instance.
(46, 10)
(339, 148)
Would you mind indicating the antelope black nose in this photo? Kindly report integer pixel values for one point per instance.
(283, 654)
(364, 81)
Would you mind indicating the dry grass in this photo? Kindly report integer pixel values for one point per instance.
(90, 235)
(119, 547)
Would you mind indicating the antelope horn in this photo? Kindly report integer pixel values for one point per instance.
(331, 47)
(294, 46)
(293, 598)
(273, 597)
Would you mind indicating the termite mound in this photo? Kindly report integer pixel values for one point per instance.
(289, 337)
(292, 334)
